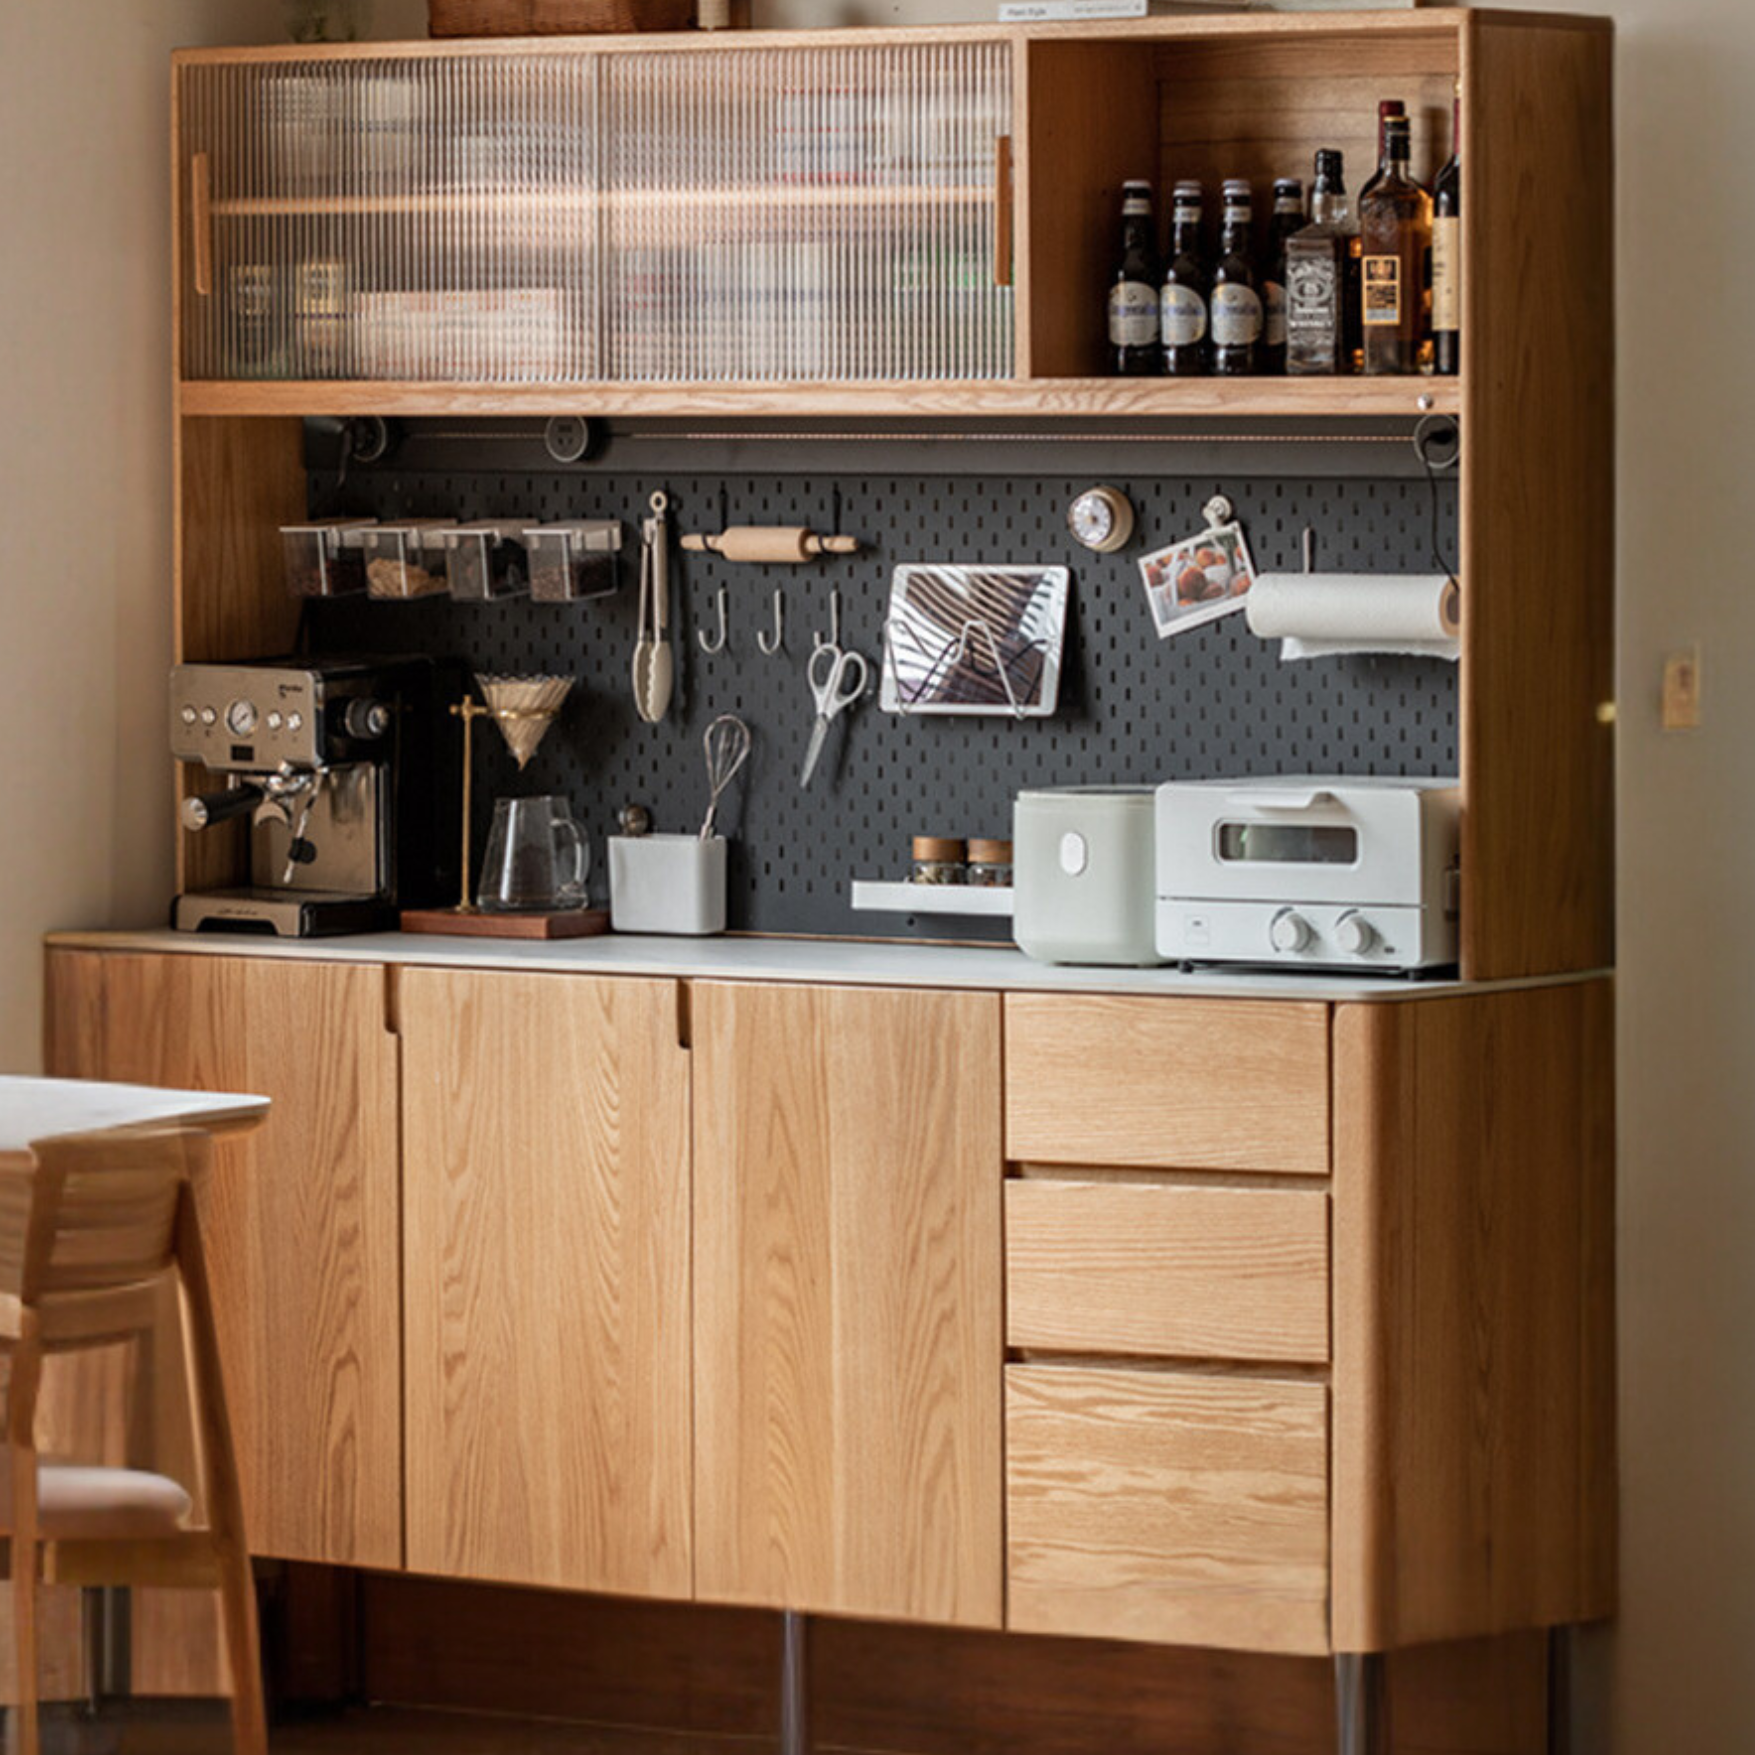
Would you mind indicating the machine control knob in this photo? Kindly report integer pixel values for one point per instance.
(1356, 935)
(295, 721)
(1290, 931)
(365, 719)
(209, 717)
(189, 715)
(274, 721)
(240, 718)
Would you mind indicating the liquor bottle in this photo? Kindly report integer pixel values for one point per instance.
(1395, 233)
(1133, 288)
(1288, 219)
(1447, 254)
(1188, 284)
(1385, 110)
(1236, 300)
(1319, 265)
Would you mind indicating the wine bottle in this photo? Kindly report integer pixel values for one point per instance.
(1447, 254)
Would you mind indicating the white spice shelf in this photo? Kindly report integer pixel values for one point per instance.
(965, 899)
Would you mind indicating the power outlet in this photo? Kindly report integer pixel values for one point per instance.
(1682, 690)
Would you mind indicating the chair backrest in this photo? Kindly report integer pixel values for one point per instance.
(88, 1222)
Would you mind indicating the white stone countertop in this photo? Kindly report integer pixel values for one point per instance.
(845, 962)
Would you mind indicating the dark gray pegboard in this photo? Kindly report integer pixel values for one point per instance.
(1214, 701)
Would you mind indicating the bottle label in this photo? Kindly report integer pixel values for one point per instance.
(1447, 274)
(1133, 314)
(1383, 291)
(1184, 317)
(1273, 313)
(1236, 315)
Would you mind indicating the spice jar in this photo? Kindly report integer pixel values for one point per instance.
(937, 860)
(990, 865)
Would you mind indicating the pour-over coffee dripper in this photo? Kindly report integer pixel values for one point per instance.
(523, 707)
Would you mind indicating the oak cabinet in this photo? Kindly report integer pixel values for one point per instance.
(302, 1223)
(847, 1300)
(546, 1203)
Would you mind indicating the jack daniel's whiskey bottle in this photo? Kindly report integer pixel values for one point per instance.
(1133, 288)
(1317, 263)
(1395, 234)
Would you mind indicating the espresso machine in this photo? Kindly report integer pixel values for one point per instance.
(343, 767)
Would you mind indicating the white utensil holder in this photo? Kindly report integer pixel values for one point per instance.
(667, 883)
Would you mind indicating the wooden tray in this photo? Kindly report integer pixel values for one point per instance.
(525, 18)
(574, 923)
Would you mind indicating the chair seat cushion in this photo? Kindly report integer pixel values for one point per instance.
(98, 1504)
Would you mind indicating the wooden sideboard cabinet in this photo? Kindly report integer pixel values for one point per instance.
(1278, 1326)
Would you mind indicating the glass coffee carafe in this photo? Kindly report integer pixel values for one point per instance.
(537, 858)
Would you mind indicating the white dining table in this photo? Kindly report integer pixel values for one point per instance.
(36, 1110)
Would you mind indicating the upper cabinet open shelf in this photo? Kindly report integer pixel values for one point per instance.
(909, 221)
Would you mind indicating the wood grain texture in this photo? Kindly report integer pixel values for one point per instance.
(1093, 124)
(695, 1670)
(1474, 1340)
(1156, 1505)
(1167, 1083)
(1538, 486)
(546, 1275)
(238, 481)
(1129, 1267)
(847, 1298)
(1093, 398)
(301, 1216)
(1260, 108)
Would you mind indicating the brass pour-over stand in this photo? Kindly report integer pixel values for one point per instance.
(523, 707)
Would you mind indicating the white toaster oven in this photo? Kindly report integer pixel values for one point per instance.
(1312, 871)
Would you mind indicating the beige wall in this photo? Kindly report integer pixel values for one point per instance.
(84, 835)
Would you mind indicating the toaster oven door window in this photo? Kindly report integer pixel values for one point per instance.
(1288, 844)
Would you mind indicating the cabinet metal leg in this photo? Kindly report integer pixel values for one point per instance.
(106, 1615)
(1359, 1728)
(794, 1685)
(1559, 1691)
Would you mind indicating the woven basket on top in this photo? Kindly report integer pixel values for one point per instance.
(538, 18)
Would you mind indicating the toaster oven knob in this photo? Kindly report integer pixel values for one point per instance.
(1356, 935)
(1290, 931)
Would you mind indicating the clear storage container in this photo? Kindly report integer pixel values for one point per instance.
(487, 559)
(318, 559)
(573, 559)
(406, 559)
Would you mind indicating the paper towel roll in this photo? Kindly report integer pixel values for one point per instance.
(1324, 615)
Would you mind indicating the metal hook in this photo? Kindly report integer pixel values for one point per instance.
(834, 639)
(715, 645)
(772, 646)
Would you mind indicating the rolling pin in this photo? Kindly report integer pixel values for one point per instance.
(770, 542)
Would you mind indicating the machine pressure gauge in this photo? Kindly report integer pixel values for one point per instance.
(1102, 519)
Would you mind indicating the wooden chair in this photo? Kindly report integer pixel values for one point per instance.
(91, 1229)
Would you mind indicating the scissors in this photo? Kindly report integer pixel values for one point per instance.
(837, 679)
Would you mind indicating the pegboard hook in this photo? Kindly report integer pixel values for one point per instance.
(817, 642)
(715, 643)
(779, 640)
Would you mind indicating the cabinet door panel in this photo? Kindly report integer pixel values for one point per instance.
(546, 1139)
(301, 1217)
(847, 1296)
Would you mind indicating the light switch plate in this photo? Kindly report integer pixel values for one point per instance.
(1682, 690)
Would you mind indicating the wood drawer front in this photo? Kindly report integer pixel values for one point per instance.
(1193, 1273)
(1167, 1507)
(1174, 1084)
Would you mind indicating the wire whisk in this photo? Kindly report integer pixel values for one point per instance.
(727, 745)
